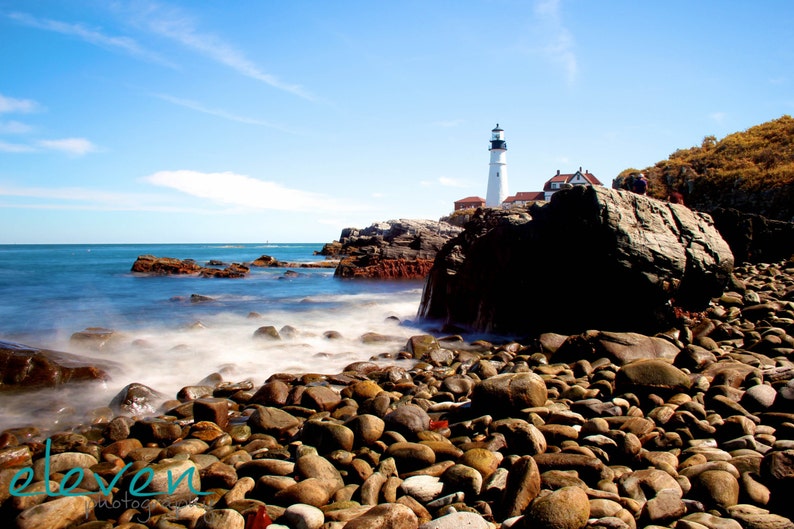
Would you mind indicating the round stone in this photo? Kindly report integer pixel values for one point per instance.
(565, 508)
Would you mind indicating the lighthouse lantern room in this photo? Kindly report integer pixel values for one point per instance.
(497, 175)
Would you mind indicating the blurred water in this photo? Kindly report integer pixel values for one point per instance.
(165, 341)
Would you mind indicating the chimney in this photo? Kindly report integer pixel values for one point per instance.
(558, 172)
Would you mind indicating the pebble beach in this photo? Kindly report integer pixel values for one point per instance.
(692, 428)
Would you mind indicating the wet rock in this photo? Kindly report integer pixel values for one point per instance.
(566, 508)
(320, 398)
(311, 491)
(273, 421)
(716, 487)
(385, 516)
(408, 419)
(25, 367)
(522, 487)
(221, 519)
(267, 332)
(58, 513)
(137, 399)
(510, 392)
(366, 428)
(411, 456)
(652, 376)
(327, 436)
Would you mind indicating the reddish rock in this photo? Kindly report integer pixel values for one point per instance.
(372, 267)
(24, 367)
(149, 264)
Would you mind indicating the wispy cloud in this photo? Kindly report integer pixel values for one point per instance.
(231, 189)
(81, 198)
(14, 127)
(9, 105)
(71, 146)
(90, 35)
(15, 147)
(178, 26)
(559, 41)
(193, 105)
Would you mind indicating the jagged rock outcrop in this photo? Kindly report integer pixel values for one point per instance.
(397, 249)
(266, 261)
(151, 265)
(555, 267)
(754, 238)
(25, 367)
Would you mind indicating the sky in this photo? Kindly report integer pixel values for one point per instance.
(138, 121)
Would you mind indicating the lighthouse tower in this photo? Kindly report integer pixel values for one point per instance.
(497, 175)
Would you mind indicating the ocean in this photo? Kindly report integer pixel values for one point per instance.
(166, 341)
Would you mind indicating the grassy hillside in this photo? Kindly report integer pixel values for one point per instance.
(752, 171)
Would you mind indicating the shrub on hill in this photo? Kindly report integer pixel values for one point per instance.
(751, 171)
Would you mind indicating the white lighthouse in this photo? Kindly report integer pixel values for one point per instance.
(497, 175)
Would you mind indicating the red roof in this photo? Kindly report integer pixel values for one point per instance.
(525, 196)
(470, 200)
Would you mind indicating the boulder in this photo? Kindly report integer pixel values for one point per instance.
(25, 367)
(620, 347)
(149, 264)
(396, 249)
(553, 267)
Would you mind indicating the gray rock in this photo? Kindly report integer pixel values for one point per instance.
(457, 520)
(300, 516)
(221, 519)
(408, 418)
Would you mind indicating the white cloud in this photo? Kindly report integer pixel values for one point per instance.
(559, 42)
(92, 36)
(78, 198)
(193, 105)
(177, 26)
(233, 189)
(14, 127)
(23, 106)
(15, 147)
(72, 146)
(378, 195)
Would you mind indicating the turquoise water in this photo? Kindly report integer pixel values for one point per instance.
(49, 292)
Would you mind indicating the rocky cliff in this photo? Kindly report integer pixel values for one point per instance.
(396, 249)
(753, 238)
(592, 258)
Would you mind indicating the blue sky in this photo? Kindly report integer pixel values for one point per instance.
(252, 121)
